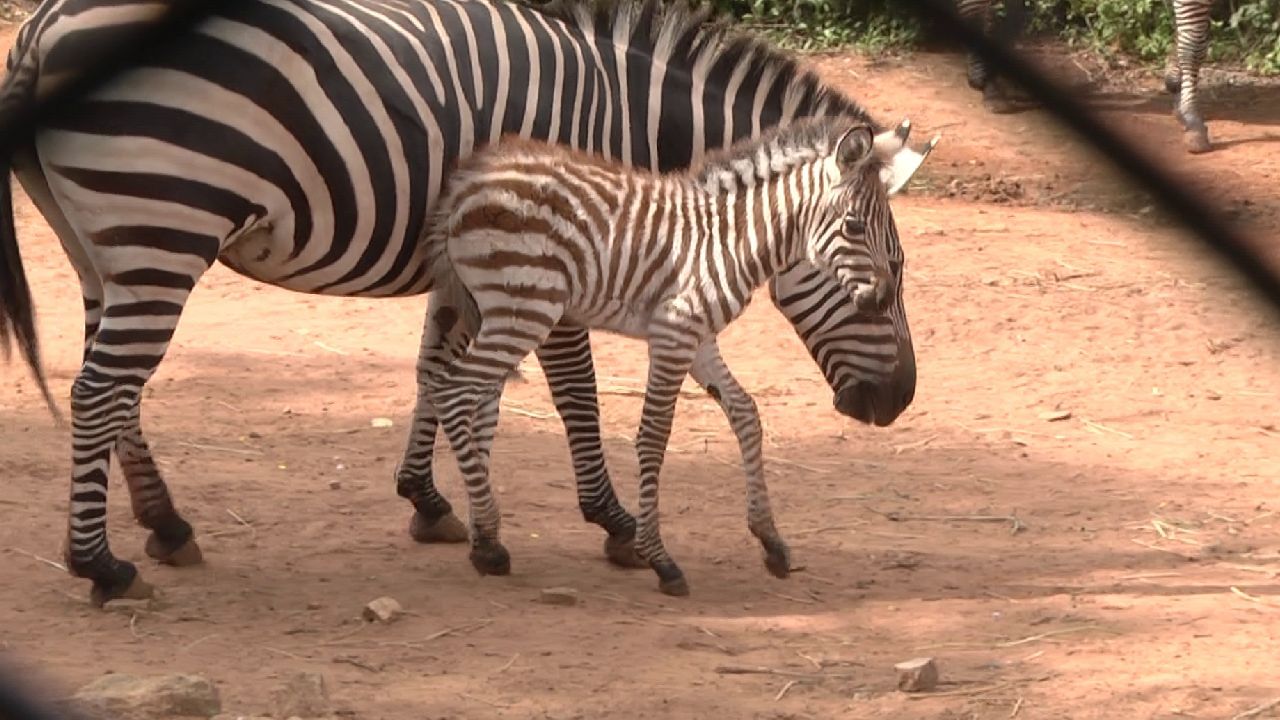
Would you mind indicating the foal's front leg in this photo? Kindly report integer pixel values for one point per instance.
(670, 357)
(713, 375)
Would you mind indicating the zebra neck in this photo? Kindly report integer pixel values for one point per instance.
(755, 226)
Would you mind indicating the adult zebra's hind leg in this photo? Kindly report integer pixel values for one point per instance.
(566, 361)
(140, 313)
(171, 539)
(433, 518)
(710, 371)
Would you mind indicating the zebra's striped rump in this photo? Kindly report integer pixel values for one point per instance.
(529, 235)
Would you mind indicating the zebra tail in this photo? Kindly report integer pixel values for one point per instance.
(454, 303)
(17, 311)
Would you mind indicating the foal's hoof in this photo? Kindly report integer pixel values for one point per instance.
(671, 580)
(133, 589)
(184, 555)
(489, 557)
(445, 529)
(1196, 141)
(622, 552)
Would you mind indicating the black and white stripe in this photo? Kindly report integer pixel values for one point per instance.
(302, 143)
(530, 234)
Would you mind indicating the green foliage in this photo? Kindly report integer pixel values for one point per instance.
(819, 24)
(1245, 31)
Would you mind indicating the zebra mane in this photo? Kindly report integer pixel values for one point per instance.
(776, 152)
(688, 36)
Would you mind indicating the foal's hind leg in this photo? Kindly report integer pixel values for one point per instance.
(566, 361)
(459, 392)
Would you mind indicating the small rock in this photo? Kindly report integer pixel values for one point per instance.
(1055, 415)
(559, 596)
(304, 695)
(237, 716)
(384, 610)
(381, 422)
(335, 484)
(127, 696)
(917, 675)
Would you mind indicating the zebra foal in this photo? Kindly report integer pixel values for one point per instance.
(528, 236)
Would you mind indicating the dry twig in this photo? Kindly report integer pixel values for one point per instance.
(785, 688)
(763, 670)
(1043, 635)
(1255, 712)
(45, 560)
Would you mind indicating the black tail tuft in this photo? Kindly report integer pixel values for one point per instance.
(17, 314)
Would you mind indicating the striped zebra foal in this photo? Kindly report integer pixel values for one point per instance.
(529, 235)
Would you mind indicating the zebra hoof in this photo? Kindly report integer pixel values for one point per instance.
(184, 555)
(622, 552)
(777, 558)
(133, 589)
(489, 557)
(445, 529)
(1197, 141)
(671, 580)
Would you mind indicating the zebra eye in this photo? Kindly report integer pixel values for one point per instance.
(895, 266)
(853, 226)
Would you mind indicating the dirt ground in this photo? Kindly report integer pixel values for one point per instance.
(1141, 581)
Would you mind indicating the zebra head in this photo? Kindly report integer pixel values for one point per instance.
(851, 237)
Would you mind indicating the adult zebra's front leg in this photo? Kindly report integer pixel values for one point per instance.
(711, 372)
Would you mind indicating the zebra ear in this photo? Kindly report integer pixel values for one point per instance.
(854, 146)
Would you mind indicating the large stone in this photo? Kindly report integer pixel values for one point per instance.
(303, 696)
(127, 696)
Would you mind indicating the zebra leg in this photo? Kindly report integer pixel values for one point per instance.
(433, 518)
(137, 324)
(981, 77)
(1172, 75)
(671, 356)
(710, 371)
(1192, 20)
(172, 540)
(460, 393)
(566, 361)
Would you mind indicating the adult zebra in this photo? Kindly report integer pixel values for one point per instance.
(302, 142)
(1182, 72)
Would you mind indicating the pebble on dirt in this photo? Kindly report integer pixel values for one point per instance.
(559, 596)
(383, 609)
(303, 696)
(917, 675)
(127, 696)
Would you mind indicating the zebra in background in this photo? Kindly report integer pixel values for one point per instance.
(1182, 72)
(303, 142)
(529, 234)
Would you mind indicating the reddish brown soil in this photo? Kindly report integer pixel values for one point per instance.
(1141, 585)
